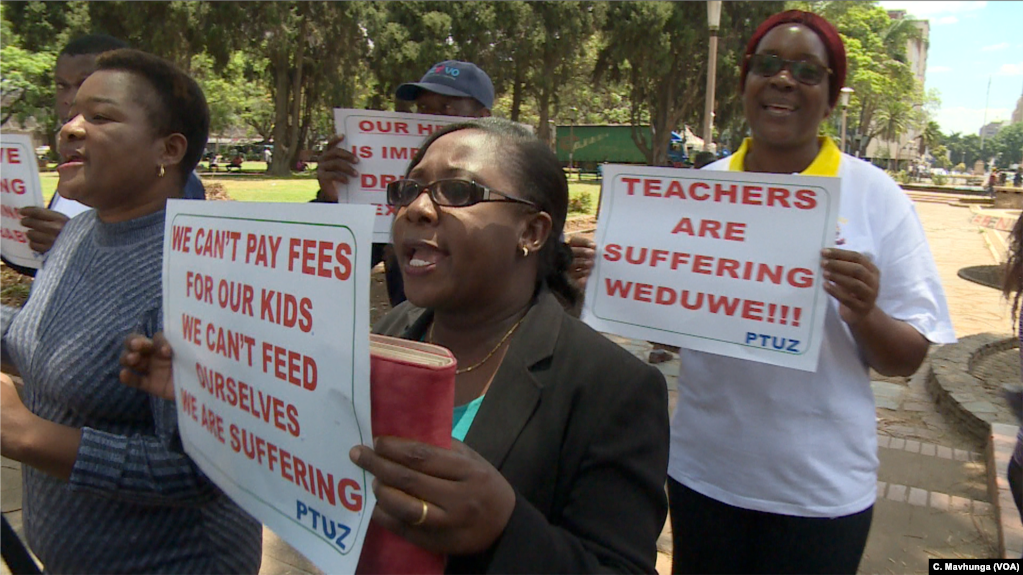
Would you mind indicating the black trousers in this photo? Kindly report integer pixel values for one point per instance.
(392, 273)
(712, 537)
(1016, 483)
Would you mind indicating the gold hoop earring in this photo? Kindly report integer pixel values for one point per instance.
(525, 252)
(162, 171)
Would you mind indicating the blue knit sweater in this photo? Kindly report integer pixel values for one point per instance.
(134, 502)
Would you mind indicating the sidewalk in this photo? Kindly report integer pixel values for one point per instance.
(932, 496)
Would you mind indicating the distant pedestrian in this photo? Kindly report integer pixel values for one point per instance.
(268, 156)
(992, 180)
(1017, 180)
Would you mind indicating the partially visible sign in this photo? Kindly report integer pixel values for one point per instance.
(19, 188)
(384, 142)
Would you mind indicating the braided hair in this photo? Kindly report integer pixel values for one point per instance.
(539, 179)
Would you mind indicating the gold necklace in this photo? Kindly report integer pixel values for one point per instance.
(489, 355)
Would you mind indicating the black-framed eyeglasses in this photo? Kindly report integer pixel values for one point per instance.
(768, 65)
(453, 193)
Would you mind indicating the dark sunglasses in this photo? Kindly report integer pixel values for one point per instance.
(448, 193)
(768, 65)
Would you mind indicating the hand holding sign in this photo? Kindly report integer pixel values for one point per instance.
(334, 166)
(43, 227)
(448, 501)
(584, 255)
(147, 365)
(853, 280)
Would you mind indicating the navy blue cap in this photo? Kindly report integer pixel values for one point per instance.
(452, 78)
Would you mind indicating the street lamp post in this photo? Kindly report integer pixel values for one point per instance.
(844, 95)
(713, 22)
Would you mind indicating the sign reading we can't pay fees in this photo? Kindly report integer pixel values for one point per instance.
(266, 307)
(19, 188)
(722, 262)
(384, 142)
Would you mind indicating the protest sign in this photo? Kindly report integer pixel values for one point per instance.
(19, 188)
(267, 309)
(384, 142)
(721, 262)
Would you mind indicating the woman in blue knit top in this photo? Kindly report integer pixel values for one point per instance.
(107, 486)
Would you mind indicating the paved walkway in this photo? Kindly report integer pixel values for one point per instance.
(932, 496)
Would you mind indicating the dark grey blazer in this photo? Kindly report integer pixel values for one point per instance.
(579, 427)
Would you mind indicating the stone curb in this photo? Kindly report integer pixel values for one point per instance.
(949, 381)
(952, 385)
(1000, 445)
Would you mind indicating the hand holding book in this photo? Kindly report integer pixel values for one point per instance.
(468, 501)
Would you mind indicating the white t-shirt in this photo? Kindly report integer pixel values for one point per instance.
(790, 442)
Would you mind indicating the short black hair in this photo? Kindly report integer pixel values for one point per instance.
(539, 177)
(180, 106)
(92, 44)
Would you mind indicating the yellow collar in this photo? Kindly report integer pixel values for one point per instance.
(825, 164)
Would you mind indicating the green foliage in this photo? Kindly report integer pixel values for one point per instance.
(1007, 145)
(26, 85)
(939, 179)
(658, 51)
(275, 69)
(964, 150)
(580, 203)
(940, 154)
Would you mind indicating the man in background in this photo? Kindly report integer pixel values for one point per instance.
(449, 88)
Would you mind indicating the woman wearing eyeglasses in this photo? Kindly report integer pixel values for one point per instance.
(774, 470)
(565, 434)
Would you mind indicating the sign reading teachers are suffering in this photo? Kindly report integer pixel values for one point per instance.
(384, 142)
(19, 188)
(721, 262)
(267, 309)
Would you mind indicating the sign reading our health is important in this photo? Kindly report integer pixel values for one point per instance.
(721, 262)
(19, 188)
(384, 142)
(267, 309)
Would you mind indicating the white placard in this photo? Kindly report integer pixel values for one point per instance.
(267, 309)
(19, 188)
(721, 262)
(384, 142)
(69, 208)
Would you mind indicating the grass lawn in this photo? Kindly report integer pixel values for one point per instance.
(302, 188)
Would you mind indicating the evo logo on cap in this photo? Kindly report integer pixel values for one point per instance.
(449, 70)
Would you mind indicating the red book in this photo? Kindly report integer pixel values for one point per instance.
(412, 395)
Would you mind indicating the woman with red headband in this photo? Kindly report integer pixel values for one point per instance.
(772, 469)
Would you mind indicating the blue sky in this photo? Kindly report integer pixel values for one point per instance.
(970, 42)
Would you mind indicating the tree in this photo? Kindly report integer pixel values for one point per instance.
(25, 82)
(657, 49)
(877, 65)
(1008, 145)
(892, 119)
(310, 50)
(940, 153)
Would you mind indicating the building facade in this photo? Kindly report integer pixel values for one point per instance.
(907, 150)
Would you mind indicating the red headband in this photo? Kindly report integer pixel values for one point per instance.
(824, 30)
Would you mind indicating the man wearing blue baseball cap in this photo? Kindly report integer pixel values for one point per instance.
(449, 88)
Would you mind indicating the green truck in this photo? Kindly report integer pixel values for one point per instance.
(591, 145)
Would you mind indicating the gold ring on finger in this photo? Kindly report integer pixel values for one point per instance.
(422, 517)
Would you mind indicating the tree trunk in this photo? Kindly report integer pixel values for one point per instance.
(281, 155)
(296, 95)
(543, 102)
(516, 106)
